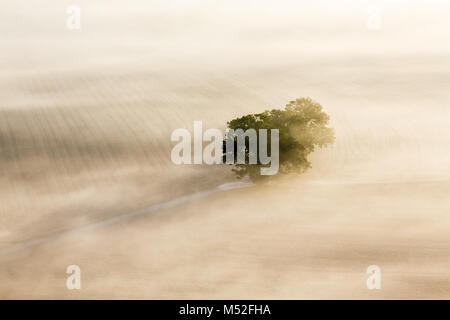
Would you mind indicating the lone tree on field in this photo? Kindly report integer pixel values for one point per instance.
(302, 126)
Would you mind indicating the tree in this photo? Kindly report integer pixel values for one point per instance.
(302, 126)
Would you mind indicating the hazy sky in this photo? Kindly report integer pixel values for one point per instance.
(209, 30)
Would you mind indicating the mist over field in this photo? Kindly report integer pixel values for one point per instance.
(85, 123)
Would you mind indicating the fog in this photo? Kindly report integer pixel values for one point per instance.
(85, 123)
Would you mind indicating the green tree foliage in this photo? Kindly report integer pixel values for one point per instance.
(302, 127)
